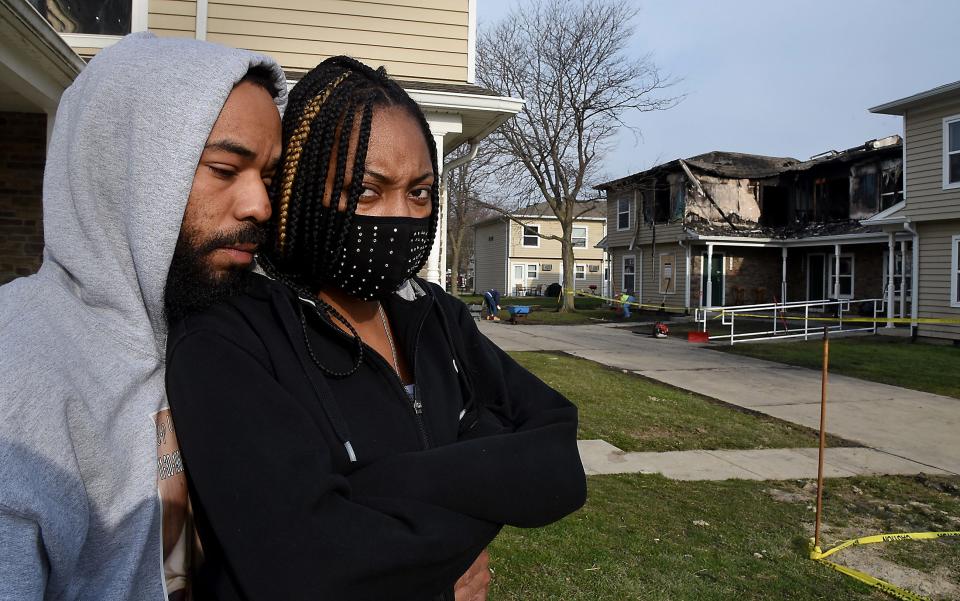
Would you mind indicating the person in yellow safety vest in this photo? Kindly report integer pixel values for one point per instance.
(625, 300)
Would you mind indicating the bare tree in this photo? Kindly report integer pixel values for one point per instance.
(464, 208)
(567, 59)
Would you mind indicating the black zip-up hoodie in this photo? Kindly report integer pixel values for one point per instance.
(306, 486)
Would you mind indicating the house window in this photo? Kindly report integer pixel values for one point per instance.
(579, 272)
(579, 237)
(891, 188)
(845, 276)
(629, 273)
(898, 275)
(951, 152)
(668, 280)
(530, 237)
(532, 271)
(112, 17)
(955, 273)
(623, 214)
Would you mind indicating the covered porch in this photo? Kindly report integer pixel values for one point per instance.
(856, 267)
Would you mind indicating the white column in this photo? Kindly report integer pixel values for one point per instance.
(783, 274)
(709, 268)
(836, 272)
(903, 279)
(201, 27)
(891, 259)
(441, 125)
(686, 273)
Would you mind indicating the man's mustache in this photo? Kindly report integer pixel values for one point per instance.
(248, 233)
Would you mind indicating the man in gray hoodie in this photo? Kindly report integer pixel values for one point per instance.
(86, 441)
(159, 164)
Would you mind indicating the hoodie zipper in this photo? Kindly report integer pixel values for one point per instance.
(416, 402)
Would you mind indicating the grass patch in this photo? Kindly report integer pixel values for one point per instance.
(589, 310)
(636, 539)
(636, 414)
(897, 361)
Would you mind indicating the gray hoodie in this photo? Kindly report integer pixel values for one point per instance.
(85, 441)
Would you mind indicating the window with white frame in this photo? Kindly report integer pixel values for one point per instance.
(902, 280)
(845, 275)
(951, 152)
(579, 237)
(89, 24)
(955, 272)
(629, 278)
(668, 280)
(530, 235)
(532, 271)
(623, 214)
(579, 271)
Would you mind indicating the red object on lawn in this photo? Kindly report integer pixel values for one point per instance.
(698, 336)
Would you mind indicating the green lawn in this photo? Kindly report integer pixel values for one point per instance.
(637, 539)
(636, 414)
(589, 310)
(897, 361)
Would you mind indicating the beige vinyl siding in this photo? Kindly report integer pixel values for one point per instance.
(551, 248)
(172, 18)
(620, 237)
(651, 276)
(643, 232)
(548, 252)
(934, 278)
(617, 268)
(926, 198)
(647, 287)
(490, 257)
(413, 39)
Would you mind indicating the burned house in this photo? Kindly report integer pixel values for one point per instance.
(770, 228)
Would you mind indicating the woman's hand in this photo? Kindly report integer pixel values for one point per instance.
(475, 582)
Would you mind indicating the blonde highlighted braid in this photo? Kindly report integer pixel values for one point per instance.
(294, 150)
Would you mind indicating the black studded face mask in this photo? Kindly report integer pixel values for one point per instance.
(380, 254)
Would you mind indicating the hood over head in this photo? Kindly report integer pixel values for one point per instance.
(120, 165)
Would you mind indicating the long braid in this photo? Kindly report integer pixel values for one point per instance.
(309, 229)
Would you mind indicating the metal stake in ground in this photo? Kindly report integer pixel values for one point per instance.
(823, 436)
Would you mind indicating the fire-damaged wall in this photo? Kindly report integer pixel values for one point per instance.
(737, 199)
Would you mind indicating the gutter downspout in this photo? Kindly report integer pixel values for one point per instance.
(442, 224)
(686, 273)
(914, 276)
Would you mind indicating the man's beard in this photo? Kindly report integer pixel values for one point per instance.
(192, 284)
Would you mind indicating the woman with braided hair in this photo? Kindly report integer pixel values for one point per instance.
(346, 430)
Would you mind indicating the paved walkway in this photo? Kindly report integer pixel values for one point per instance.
(918, 427)
(601, 457)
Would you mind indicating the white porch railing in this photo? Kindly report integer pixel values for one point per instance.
(791, 320)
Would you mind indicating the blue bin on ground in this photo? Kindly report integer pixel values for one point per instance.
(518, 311)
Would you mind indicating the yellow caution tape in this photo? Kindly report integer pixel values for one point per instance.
(880, 319)
(632, 304)
(820, 556)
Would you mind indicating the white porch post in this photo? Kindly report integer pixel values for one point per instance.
(709, 268)
(686, 299)
(836, 272)
(891, 260)
(435, 270)
(783, 274)
(903, 279)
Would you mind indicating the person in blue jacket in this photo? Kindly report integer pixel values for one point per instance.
(492, 299)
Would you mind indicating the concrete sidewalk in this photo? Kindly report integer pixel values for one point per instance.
(917, 426)
(600, 457)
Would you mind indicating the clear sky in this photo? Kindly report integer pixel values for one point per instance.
(778, 77)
